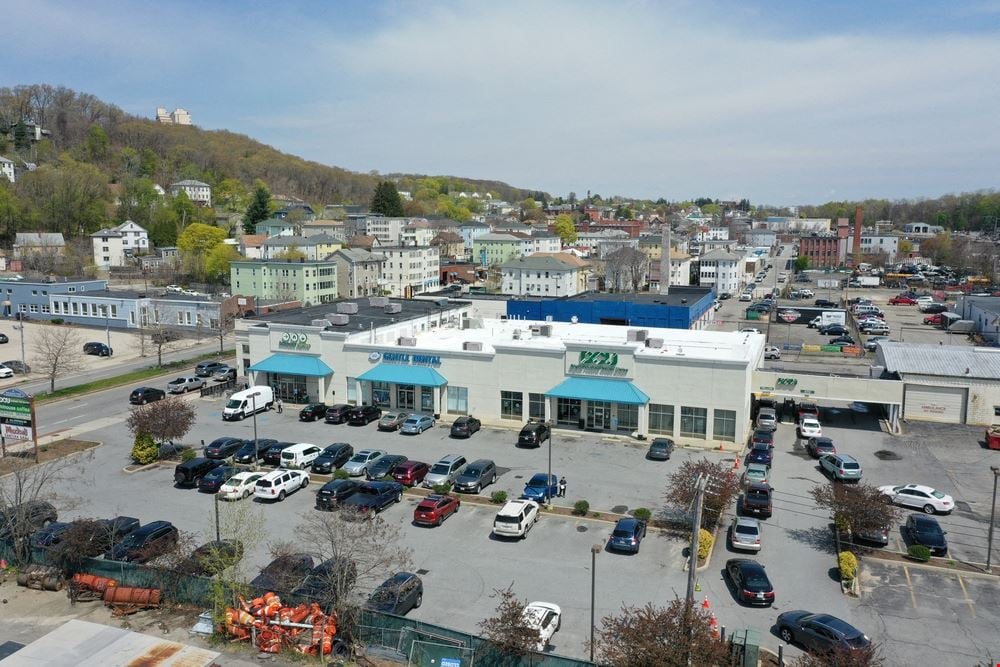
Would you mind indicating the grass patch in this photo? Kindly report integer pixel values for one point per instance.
(126, 378)
(49, 452)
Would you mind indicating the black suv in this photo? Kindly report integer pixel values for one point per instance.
(99, 349)
(332, 457)
(312, 412)
(252, 451)
(145, 543)
(207, 368)
(190, 472)
(337, 414)
(86, 537)
(397, 595)
(331, 493)
(757, 500)
(363, 415)
(223, 448)
(533, 434)
(144, 395)
(464, 427)
(22, 520)
(273, 454)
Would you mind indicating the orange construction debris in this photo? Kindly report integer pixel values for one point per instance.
(274, 626)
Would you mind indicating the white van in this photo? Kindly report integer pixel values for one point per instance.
(865, 309)
(244, 403)
(299, 456)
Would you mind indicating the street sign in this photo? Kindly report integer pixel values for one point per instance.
(13, 432)
(17, 414)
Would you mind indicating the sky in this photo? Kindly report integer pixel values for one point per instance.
(784, 103)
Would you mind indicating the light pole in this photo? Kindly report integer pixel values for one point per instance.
(594, 550)
(254, 396)
(993, 511)
(548, 485)
(20, 327)
(107, 327)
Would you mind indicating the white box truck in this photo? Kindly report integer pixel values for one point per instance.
(864, 281)
(244, 403)
(962, 327)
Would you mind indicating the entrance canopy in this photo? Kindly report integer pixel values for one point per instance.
(293, 364)
(599, 389)
(424, 376)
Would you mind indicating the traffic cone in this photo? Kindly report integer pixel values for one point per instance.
(705, 604)
(736, 463)
(714, 626)
(3, 563)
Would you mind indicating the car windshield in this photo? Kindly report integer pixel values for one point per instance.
(359, 458)
(938, 495)
(471, 472)
(233, 403)
(747, 530)
(537, 481)
(440, 469)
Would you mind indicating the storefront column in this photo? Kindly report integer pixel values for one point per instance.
(550, 409)
(321, 383)
(643, 429)
(437, 400)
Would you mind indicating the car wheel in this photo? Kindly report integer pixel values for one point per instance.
(494, 479)
(305, 482)
(281, 496)
(928, 509)
(246, 494)
(786, 635)
(419, 601)
(399, 497)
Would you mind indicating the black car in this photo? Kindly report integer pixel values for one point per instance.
(212, 558)
(50, 535)
(660, 449)
(337, 414)
(834, 330)
(384, 465)
(825, 303)
(283, 573)
(363, 415)
(252, 451)
(145, 543)
(325, 581)
(533, 434)
(215, 478)
(144, 395)
(373, 497)
(926, 531)
(99, 349)
(476, 476)
(312, 412)
(207, 368)
(932, 309)
(332, 493)
(19, 367)
(223, 448)
(3, 338)
(627, 535)
(272, 456)
(190, 472)
(750, 580)
(760, 452)
(332, 457)
(464, 427)
(24, 519)
(397, 595)
(819, 633)
(757, 500)
(85, 537)
(842, 341)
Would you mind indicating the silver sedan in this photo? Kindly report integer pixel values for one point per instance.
(745, 534)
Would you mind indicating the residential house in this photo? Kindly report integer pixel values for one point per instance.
(450, 244)
(545, 241)
(252, 246)
(712, 233)
(535, 275)
(389, 231)
(364, 241)
(308, 281)
(721, 269)
(410, 270)
(29, 244)
(7, 168)
(278, 227)
(496, 249)
(470, 231)
(198, 192)
(585, 279)
(420, 232)
(334, 228)
(315, 248)
(117, 245)
(359, 272)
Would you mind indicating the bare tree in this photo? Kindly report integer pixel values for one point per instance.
(57, 352)
(165, 420)
(722, 487)
(859, 508)
(227, 323)
(163, 339)
(505, 631)
(635, 267)
(614, 271)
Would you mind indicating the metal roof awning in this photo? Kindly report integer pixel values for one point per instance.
(599, 389)
(424, 376)
(293, 364)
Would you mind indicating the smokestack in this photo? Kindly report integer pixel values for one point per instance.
(859, 217)
(665, 261)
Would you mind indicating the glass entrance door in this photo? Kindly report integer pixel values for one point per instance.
(598, 415)
(427, 399)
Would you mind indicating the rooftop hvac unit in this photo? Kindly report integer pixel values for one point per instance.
(638, 335)
(472, 346)
(548, 318)
(378, 301)
(406, 341)
(320, 323)
(393, 308)
(875, 372)
(339, 319)
(517, 334)
(545, 330)
(466, 323)
(441, 303)
(536, 328)
(654, 342)
(348, 307)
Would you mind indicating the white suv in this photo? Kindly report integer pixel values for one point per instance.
(277, 484)
(544, 618)
(515, 518)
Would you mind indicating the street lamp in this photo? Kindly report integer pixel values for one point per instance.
(993, 511)
(20, 327)
(594, 550)
(548, 481)
(254, 396)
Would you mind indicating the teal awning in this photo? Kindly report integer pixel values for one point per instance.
(424, 376)
(599, 389)
(293, 364)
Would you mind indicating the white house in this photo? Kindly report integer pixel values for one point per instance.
(545, 242)
(198, 192)
(7, 168)
(540, 275)
(388, 231)
(410, 270)
(116, 245)
(419, 233)
(720, 268)
(712, 233)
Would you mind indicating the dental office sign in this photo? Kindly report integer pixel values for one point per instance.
(594, 362)
(411, 359)
(292, 340)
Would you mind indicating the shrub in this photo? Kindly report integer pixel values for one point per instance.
(581, 507)
(919, 552)
(56, 320)
(498, 497)
(145, 451)
(442, 489)
(642, 514)
(341, 474)
(848, 565)
(188, 454)
(705, 541)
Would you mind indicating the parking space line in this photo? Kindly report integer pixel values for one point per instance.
(909, 584)
(968, 600)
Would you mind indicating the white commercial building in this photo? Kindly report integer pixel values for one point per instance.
(692, 386)
(410, 270)
(540, 275)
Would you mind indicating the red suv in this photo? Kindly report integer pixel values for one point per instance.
(933, 319)
(808, 410)
(434, 509)
(410, 473)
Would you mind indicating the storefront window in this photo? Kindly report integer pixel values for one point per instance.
(352, 391)
(568, 411)
(458, 400)
(404, 396)
(694, 422)
(291, 388)
(725, 425)
(381, 393)
(661, 419)
(511, 405)
(628, 417)
(427, 399)
(536, 406)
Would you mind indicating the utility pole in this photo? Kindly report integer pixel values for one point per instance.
(695, 529)
(993, 510)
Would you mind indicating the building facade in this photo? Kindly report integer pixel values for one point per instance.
(539, 276)
(721, 269)
(310, 282)
(116, 246)
(198, 192)
(359, 272)
(496, 249)
(315, 248)
(7, 168)
(410, 270)
(470, 231)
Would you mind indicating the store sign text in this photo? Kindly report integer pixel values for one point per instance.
(293, 340)
(592, 362)
(413, 359)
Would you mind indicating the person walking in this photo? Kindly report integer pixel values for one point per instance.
(280, 406)
(562, 487)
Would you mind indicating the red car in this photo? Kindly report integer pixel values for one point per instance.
(410, 473)
(933, 319)
(434, 509)
(902, 301)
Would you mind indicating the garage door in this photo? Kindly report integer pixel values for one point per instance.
(936, 404)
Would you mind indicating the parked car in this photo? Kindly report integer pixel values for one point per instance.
(252, 451)
(833, 330)
(373, 497)
(760, 452)
(825, 303)
(185, 384)
(3, 338)
(746, 296)
(933, 308)
(224, 374)
(384, 466)
(931, 319)
(810, 428)
(6, 372)
(18, 367)
(744, 533)
(819, 633)
(926, 531)
(283, 573)
(627, 535)
(332, 457)
(767, 420)
(145, 543)
(143, 395)
(277, 484)
(223, 448)
(22, 520)
(444, 471)
(750, 581)
(842, 341)
(533, 434)
(841, 467)
(98, 349)
(332, 493)
(476, 476)
(544, 618)
(464, 427)
(207, 368)
(363, 415)
(215, 478)
(515, 518)
(772, 352)
(312, 412)
(926, 498)
(241, 485)
(805, 409)
(190, 472)
(398, 594)
(538, 490)
(337, 413)
(757, 499)
(660, 449)
(391, 421)
(819, 446)
(872, 343)
(93, 537)
(411, 473)
(434, 509)
(757, 472)
(272, 456)
(416, 424)
(212, 558)
(358, 464)
(902, 300)
(300, 455)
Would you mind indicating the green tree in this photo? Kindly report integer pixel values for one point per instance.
(195, 242)
(10, 214)
(711, 209)
(564, 227)
(144, 450)
(21, 140)
(163, 229)
(217, 261)
(259, 209)
(148, 163)
(801, 263)
(69, 196)
(138, 201)
(97, 143)
(623, 212)
(129, 159)
(290, 254)
(386, 200)
(231, 195)
(529, 204)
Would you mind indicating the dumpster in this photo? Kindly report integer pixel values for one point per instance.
(993, 437)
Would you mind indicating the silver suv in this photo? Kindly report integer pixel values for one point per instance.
(767, 420)
(445, 471)
(841, 467)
